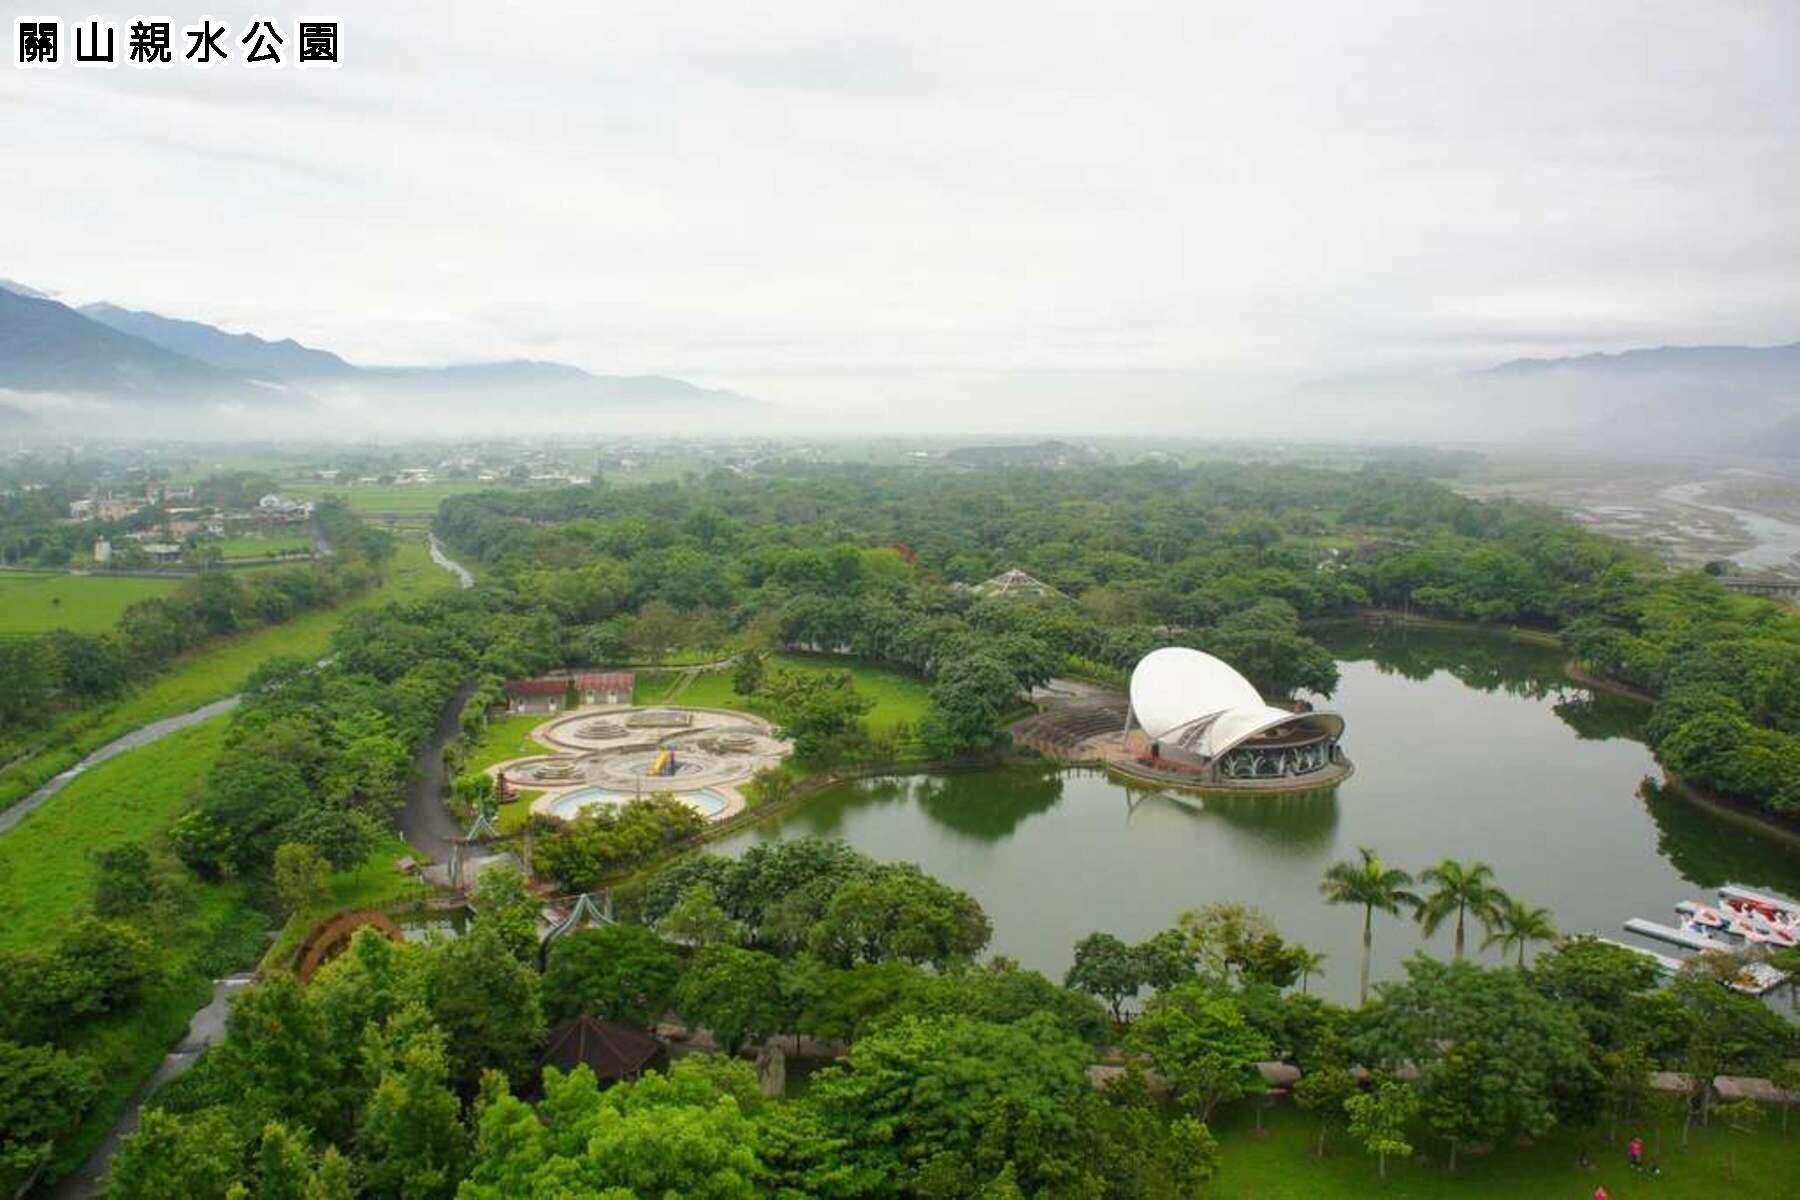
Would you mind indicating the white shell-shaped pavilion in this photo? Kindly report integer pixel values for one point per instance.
(1197, 708)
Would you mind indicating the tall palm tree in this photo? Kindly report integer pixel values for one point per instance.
(1517, 924)
(1372, 884)
(1309, 962)
(1466, 889)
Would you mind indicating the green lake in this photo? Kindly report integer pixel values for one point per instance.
(1465, 745)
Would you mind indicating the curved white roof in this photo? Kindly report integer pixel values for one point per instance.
(1193, 700)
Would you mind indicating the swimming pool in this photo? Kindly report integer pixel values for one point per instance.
(704, 801)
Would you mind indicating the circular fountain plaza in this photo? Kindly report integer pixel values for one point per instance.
(604, 757)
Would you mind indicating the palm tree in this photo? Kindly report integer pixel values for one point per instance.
(1372, 884)
(1463, 889)
(1309, 962)
(1517, 924)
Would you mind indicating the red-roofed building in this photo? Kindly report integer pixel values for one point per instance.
(536, 695)
(607, 687)
(551, 694)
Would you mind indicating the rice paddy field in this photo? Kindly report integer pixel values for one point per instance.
(33, 602)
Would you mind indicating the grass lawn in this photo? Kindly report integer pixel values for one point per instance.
(1280, 1166)
(384, 499)
(45, 871)
(209, 674)
(511, 818)
(506, 738)
(900, 699)
(654, 684)
(257, 546)
(37, 603)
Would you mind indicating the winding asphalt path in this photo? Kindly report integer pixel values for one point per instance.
(424, 821)
(156, 731)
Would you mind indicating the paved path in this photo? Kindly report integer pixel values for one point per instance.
(206, 1027)
(141, 736)
(424, 821)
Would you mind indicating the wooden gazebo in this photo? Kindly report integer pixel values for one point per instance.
(615, 1053)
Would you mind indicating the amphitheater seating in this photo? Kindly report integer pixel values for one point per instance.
(1060, 730)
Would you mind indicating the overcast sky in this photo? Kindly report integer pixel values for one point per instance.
(740, 193)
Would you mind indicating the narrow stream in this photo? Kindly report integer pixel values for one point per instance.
(449, 564)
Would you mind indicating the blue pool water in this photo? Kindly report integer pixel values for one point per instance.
(706, 802)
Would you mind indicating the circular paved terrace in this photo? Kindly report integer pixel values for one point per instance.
(618, 753)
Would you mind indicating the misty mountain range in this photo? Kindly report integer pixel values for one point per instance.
(1735, 400)
(102, 366)
(1777, 361)
(146, 359)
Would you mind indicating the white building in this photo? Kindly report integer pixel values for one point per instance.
(1198, 712)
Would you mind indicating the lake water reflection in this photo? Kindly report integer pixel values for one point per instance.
(1465, 745)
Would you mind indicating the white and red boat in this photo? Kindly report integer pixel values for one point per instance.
(1699, 914)
(1758, 937)
(1769, 907)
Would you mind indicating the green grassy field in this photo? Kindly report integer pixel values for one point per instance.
(900, 699)
(38, 603)
(209, 674)
(506, 738)
(389, 498)
(255, 546)
(1278, 1165)
(45, 870)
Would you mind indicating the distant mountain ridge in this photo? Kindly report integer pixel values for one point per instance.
(47, 346)
(1658, 359)
(19, 289)
(1705, 399)
(242, 353)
